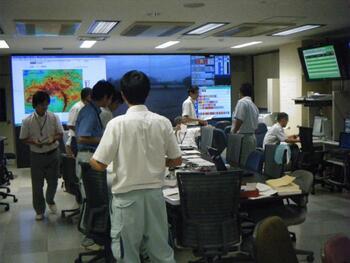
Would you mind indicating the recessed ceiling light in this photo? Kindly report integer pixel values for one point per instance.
(296, 30)
(205, 28)
(102, 27)
(88, 43)
(167, 44)
(194, 5)
(3, 44)
(247, 44)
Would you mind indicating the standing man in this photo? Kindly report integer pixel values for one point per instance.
(137, 143)
(41, 130)
(89, 130)
(85, 97)
(276, 133)
(107, 112)
(245, 121)
(188, 110)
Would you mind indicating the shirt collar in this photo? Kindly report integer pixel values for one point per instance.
(137, 108)
(246, 98)
(93, 104)
(189, 98)
(38, 116)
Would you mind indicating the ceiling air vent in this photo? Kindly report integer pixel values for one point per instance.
(190, 49)
(46, 28)
(96, 38)
(252, 29)
(155, 29)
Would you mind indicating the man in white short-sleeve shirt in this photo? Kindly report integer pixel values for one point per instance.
(140, 144)
(245, 121)
(276, 133)
(72, 118)
(188, 109)
(186, 135)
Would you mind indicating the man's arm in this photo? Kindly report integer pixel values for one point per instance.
(173, 162)
(201, 122)
(98, 166)
(88, 140)
(238, 124)
(292, 139)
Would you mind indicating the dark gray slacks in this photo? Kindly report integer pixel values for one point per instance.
(44, 166)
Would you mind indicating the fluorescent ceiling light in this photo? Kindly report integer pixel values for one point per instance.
(247, 44)
(102, 27)
(3, 44)
(296, 30)
(205, 28)
(88, 43)
(168, 44)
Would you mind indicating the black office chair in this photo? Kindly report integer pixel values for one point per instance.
(219, 140)
(260, 133)
(5, 176)
(292, 213)
(71, 183)
(227, 130)
(273, 170)
(94, 220)
(222, 125)
(234, 148)
(209, 207)
(272, 243)
(310, 158)
(255, 162)
(206, 139)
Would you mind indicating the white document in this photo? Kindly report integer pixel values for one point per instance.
(191, 152)
(187, 157)
(207, 118)
(201, 162)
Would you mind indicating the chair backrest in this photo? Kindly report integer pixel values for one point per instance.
(255, 161)
(222, 124)
(305, 180)
(227, 130)
(96, 220)
(260, 133)
(71, 181)
(305, 135)
(337, 249)
(209, 204)
(219, 140)
(206, 139)
(234, 147)
(271, 168)
(272, 242)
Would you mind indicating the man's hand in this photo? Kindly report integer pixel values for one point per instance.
(203, 123)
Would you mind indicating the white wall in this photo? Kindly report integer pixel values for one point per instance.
(265, 66)
(290, 84)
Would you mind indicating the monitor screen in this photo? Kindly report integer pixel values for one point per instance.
(317, 129)
(63, 77)
(320, 63)
(344, 140)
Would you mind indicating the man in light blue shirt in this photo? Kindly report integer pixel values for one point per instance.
(245, 121)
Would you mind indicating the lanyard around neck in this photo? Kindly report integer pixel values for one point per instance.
(41, 127)
(183, 138)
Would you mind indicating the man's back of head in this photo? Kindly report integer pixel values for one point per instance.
(135, 87)
(101, 90)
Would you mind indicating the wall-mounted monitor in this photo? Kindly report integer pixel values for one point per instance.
(320, 63)
(63, 77)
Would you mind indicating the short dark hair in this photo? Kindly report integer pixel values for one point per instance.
(135, 86)
(246, 89)
(178, 120)
(101, 89)
(281, 116)
(40, 97)
(117, 97)
(85, 92)
(192, 89)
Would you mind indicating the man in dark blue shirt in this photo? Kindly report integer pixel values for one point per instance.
(89, 130)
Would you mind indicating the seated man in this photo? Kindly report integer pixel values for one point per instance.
(276, 133)
(186, 136)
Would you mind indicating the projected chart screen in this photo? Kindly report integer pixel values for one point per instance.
(214, 102)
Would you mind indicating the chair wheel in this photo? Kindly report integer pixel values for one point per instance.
(15, 200)
(310, 258)
(7, 208)
(8, 190)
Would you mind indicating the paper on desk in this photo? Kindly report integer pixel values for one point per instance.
(207, 118)
(285, 180)
(201, 162)
(190, 152)
(264, 191)
(170, 191)
(190, 157)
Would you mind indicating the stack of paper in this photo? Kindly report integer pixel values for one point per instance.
(201, 162)
(171, 194)
(284, 185)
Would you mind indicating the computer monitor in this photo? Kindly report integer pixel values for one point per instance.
(344, 140)
(321, 127)
(347, 125)
(217, 159)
